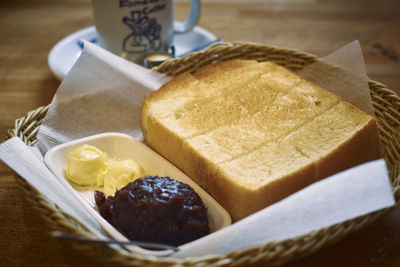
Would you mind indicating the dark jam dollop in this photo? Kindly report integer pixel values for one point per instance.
(156, 209)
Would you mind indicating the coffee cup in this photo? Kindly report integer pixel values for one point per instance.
(136, 29)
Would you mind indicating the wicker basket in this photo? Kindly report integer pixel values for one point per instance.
(386, 104)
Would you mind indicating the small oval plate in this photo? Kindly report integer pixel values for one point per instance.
(122, 146)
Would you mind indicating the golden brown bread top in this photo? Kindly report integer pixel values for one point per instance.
(231, 108)
(235, 106)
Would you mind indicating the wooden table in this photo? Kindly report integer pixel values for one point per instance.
(29, 29)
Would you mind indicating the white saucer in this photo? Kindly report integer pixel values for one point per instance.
(64, 54)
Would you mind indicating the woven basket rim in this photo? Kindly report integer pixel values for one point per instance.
(26, 128)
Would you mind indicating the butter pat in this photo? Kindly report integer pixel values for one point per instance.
(87, 165)
(121, 173)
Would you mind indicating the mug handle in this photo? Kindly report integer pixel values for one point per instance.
(191, 21)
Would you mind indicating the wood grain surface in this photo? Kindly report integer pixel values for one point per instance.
(29, 29)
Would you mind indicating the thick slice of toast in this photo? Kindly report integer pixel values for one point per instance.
(253, 133)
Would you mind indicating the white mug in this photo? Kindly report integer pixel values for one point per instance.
(135, 29)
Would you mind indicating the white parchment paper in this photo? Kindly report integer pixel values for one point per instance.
(28, 163)
(343, 73)
(103, 92)
(334, 199)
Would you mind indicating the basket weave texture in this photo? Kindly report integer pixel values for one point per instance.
(386, 104)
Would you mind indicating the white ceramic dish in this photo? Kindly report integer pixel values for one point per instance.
(122, 146)
(65, 52)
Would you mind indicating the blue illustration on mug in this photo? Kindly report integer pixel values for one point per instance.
(145, 34)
